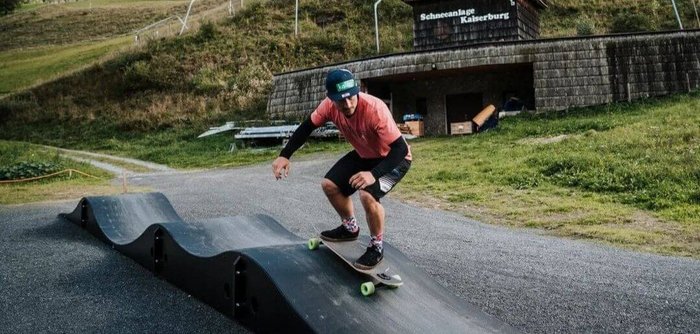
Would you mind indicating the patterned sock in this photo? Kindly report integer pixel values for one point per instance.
(351, 224)
(377, 241)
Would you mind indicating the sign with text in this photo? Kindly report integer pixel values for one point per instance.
(465, 16)
(460, 22)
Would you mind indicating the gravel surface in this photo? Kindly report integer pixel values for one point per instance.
(55, 277)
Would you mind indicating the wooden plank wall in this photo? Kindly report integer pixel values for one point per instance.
(652, 67)
(528, 20)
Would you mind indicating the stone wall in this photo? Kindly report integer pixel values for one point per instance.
(567, 72)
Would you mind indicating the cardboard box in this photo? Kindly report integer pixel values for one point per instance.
(417, 128)
(461, 128)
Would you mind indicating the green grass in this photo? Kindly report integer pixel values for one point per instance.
(28, 7)
(624, 174)
(61, 190)
(129, 167)
(43, 42)
(76, 22)
(175, 147)
(181, 149)
(23, 68)
(561, 18)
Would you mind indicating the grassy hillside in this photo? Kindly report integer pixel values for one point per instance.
(83, 21)
(222, 72)
(26, 67)
(43, 42)
(563, 16)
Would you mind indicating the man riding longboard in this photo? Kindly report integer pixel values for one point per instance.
(380, 159)
(381, 274)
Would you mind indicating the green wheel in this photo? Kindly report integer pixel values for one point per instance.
(367, 288)
(313, 243)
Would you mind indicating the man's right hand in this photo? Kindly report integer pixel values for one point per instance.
(280, 167)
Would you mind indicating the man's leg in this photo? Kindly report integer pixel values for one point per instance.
(343, 206)
(375, 213)
(341, 203)
(369, 197)
(337, 188)
(375, 221)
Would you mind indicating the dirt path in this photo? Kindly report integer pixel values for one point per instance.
(114, 164)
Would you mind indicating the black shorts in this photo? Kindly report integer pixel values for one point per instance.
(351, 164)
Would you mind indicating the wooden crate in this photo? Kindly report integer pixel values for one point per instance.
(417, 128)
(461, 128)
(404, 128)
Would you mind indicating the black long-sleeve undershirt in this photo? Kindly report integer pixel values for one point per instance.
(397, 149)
(397, 153)
(298, 138)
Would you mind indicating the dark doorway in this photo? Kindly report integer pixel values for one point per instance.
(463, 107)
(422, 106)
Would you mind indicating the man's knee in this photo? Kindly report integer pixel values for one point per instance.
(367, 198)
(329, 188)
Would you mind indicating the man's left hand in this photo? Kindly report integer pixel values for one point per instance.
(362, 180)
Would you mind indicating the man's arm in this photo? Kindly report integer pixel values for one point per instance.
(298, 138)
(280, 167)
(397, 152)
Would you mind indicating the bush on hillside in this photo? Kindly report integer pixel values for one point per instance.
(207, 31)
(631, 22)
(585, 27)
(162, 71)
(9, 6)
(209, 80)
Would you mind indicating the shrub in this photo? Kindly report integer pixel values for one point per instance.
(9, 6)
(24, 169)
(523, 181)
(585, 27)
(207, 32)
(631, 22)
(209, 80)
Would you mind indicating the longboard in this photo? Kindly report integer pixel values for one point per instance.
(349, 251)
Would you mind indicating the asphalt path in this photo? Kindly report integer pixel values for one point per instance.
(55, 277)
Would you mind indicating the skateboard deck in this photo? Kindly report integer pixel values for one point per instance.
(349, 251)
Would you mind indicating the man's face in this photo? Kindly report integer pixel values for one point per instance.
(347, 106)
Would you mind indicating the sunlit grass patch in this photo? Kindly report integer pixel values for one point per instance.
(26, 67)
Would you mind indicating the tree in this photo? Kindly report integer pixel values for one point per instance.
(8, 6)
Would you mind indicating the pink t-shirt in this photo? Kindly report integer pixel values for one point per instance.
(369, 130)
